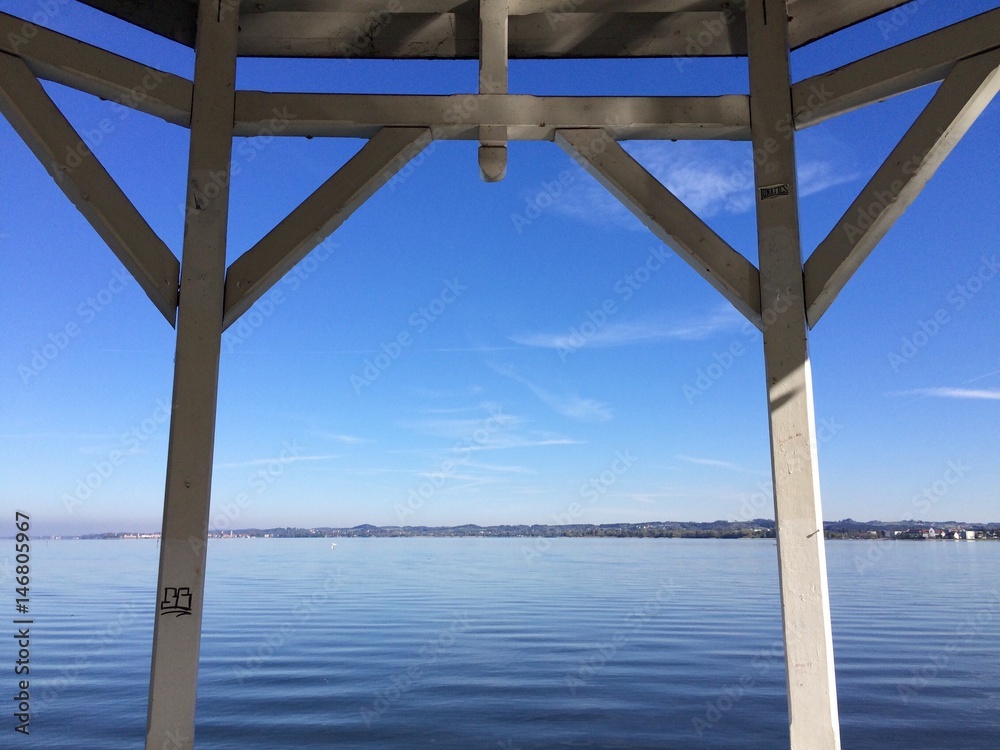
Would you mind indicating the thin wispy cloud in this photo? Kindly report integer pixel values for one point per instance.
(983, 377)
(465, 429)
(817, 176)
(713, 462)
(710, 179)
(59, 436)
(492, 431)
(644, 498)
(339, 438)
(275, 459)
(956, 393)
(635, 332)
(499, 468)
(525, 443)
(568, 404)
(576, 407)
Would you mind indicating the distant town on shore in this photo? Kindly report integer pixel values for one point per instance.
(758, 528)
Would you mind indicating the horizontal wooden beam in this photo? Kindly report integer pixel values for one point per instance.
(459, 116)
(318, 216)
(471, 7)
(407, 35)
(539, 28)
(667, 217)
(916, 63)
(173, 19)
(62, 59)
(809, 20)
(963, 96)
(87, 184)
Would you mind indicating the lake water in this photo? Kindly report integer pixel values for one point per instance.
(512, 643)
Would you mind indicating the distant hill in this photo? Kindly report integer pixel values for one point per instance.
(758, 528)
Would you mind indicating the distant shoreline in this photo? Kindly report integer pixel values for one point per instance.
(757, 528)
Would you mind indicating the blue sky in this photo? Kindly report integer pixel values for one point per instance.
(537, 355)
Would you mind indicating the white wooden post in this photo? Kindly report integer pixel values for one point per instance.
(805, 597)
(177, 631)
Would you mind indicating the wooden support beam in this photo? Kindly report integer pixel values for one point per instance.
(805, 596)
(527, 118)
(82, 178)
(446, 28)
(471, 7)
(173, 19)
(184, 536)
(809, 20)
(959, 101)
(333, 202)
(907, 66)
(455, 36)
(55, 57)
(492, 80)
(667, 217)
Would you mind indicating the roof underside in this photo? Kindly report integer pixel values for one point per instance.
(449, 29)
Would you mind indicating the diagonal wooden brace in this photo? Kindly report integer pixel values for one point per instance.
(83, 179)
(667, 217)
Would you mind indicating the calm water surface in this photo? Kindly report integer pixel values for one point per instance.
(514, 643)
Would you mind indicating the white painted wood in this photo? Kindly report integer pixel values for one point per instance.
(456, 36)
(809, 20)
(471, 7)
(539, 28)
(805, 597)
(492, 80)
(459, 116)
(959, 101)
(173, 19)
(62, 59)
(317, 217)
(667, 217)
(177, 632)
(907, 66)
(82, 178)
